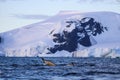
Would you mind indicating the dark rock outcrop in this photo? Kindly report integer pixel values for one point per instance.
(84, 28)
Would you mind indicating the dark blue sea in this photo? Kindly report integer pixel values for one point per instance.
(32, 68)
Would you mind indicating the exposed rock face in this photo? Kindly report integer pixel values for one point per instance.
(81, 33)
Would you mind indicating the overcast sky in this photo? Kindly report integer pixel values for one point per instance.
(18, 13)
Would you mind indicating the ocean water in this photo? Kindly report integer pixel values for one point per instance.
(32, 68)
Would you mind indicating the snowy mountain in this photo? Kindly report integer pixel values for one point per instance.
(66, 34)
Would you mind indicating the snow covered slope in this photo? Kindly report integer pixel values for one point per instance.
(66, 34)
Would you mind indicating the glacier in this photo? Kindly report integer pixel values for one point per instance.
(36, 40)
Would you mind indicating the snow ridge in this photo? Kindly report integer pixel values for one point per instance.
(66, 34)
